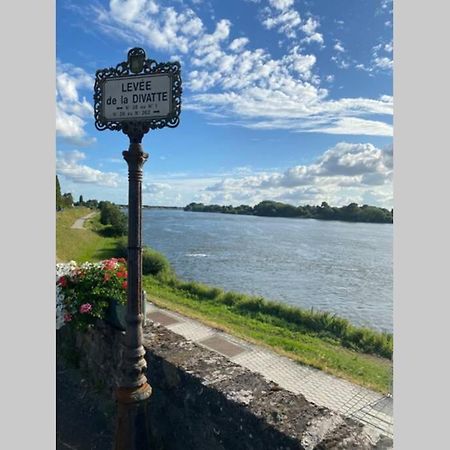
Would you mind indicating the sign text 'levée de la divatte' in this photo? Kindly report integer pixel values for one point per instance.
(137, 97)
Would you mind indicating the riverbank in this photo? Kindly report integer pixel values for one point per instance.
(269, 208)
(315, 348)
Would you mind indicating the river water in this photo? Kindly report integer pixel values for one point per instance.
(341, 267)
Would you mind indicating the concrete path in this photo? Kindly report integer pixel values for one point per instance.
(372, 409)
(79, 223)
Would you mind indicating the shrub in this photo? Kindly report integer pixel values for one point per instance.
(122, 247)
(110, 214)
(199, 290)
(154, 263)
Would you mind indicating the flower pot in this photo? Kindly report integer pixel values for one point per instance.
(116, 313)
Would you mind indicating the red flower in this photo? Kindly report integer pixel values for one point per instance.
(122, 260)
(122, 274)
(67, 317)
(62, 281)
(125, 284)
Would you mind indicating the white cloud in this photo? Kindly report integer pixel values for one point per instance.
(68, 164)
(281, 5)
(71, 110)
(155, 188)
(353, 125)
(309, 28)
(69, 125)
(345, 173)
(164, 27)
(387, 5)
(302, 108)
(234, 83)
(352, 159)
(286, 21)
(341, 61)
(338, 46)
(238, 44)
(281, 15)
(383, 63)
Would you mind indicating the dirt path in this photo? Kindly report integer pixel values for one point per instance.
(79, 223)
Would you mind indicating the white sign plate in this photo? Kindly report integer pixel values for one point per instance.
(143, 97)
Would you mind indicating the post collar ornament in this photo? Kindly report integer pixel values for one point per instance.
(137, 95)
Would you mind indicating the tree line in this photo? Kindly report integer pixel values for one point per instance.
(350, 213)
(66, 200)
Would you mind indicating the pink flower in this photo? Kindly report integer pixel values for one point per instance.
(67, 317)
(62, 281)
(110, 264)
(122, 260)
(122, 274)
(125, 284)
(85, 308)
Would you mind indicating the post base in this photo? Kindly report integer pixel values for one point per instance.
(132, 426)
(133, 394)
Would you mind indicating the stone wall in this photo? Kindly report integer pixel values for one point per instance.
(203, 401)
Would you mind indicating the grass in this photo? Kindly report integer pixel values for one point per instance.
(81, 245)
(311, 338)
(318, 323)
(323, 353)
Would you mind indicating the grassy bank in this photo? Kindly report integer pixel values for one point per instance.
(318, 339)
(81, 245)
(325, 353)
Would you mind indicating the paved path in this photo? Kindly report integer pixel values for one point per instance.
(372, 409)
(79, 223)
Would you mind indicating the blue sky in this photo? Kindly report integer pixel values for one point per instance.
(283, 100)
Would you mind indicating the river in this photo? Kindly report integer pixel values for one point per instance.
(341, 267)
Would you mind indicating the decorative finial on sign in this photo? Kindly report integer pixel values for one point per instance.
(136, 57)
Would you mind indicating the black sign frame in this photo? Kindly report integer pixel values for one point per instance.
(128, 69)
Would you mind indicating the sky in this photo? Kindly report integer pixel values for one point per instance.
(283, 100)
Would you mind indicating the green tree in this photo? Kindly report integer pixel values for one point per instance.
(58, 195)
(67, 200)
(81, 202)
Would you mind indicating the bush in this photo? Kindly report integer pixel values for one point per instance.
(153, 262)
(122, 248)
(110, 214)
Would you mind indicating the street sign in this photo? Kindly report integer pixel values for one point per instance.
(137, 97)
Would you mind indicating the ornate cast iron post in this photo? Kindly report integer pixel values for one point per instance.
(138, 74)
(132, 432)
